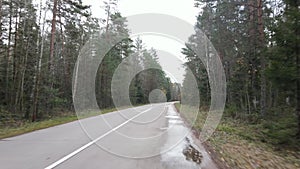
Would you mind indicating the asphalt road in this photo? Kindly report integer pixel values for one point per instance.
(145, 137)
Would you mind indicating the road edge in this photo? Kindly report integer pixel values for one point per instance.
(195, 133)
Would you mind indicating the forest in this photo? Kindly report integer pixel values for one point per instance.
(39, 47)
(258, 42)
(259, 46)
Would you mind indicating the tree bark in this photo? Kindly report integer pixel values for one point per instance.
(298, 84)
(7, 65)
(1, 18)
(251, 91)
(262, 57)
(16, 65)
(53, 34)
(23, 73)
(297, 31)
(51, 56)
(66, 78)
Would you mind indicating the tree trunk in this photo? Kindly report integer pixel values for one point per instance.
(52, 40)
(23, 78)
(252, 40)
(32, 94)
(1, 18)
(262, 57)
(298, 84)
(7, 65)
(297, 31)
(66, 78)
(16, 66)
(39, 67)
(51, 56)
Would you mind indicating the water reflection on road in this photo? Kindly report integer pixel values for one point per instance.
(184, 154)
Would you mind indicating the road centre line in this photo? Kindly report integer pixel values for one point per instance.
(55, 164)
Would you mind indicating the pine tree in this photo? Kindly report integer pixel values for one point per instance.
(284, 69)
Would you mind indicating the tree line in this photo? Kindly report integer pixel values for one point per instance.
(39, 46)
(258, 44)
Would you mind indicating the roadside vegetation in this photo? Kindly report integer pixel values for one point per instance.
(13, 125)
(259, 47)
(240, 143)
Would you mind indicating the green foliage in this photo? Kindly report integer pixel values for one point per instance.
(36, 85)
(232, 111)
(283, 55)
(281, 131)
(235, 31)
(9, 119)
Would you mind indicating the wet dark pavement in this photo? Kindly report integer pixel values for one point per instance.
(186, 154)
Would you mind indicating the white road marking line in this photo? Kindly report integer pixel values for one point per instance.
(92, 142)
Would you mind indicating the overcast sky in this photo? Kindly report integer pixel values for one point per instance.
(183, 9)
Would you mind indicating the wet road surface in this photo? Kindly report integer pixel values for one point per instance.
(146, 137)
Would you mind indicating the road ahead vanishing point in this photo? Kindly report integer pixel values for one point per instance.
(146, 137)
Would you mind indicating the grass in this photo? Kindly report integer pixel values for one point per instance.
(177, 106)
(240, 145)
(22, 127)
(268, 143)
(26, 127)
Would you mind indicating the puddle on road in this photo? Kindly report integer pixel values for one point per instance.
(192, 154)
(179, 151)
